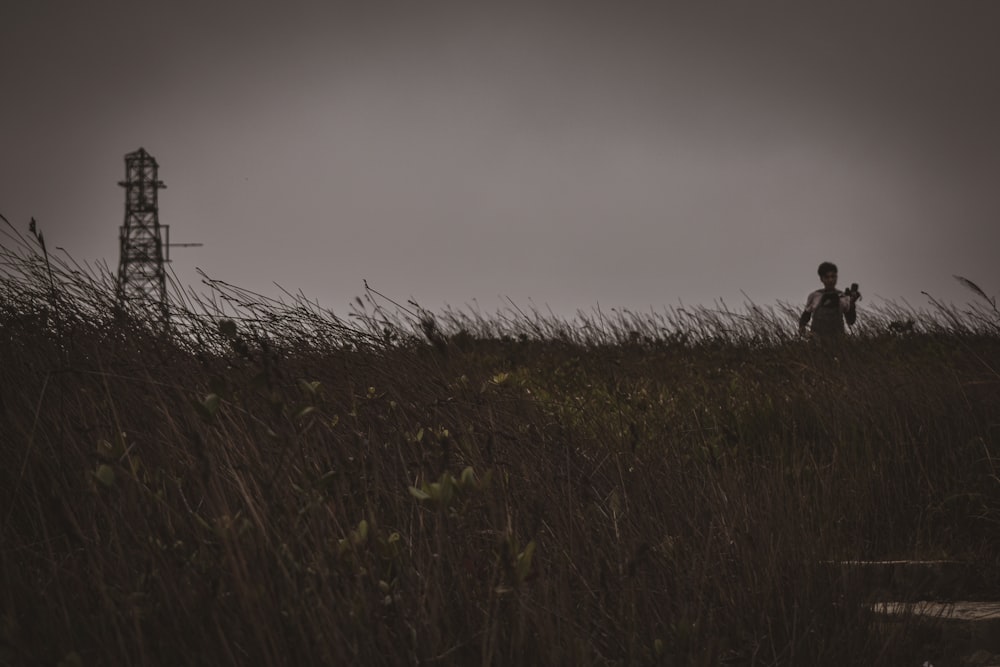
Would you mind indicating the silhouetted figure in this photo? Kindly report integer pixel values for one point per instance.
(829, 308)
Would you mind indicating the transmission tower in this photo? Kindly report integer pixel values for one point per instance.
(141, 275)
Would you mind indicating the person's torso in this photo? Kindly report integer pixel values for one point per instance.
(828, 317)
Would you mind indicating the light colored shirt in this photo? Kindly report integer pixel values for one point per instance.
(827, 309)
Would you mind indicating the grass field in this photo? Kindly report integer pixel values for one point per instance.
(267, 483)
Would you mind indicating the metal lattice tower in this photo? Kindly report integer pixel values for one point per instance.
(141, 276)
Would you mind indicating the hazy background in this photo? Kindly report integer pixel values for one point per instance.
(631, 154)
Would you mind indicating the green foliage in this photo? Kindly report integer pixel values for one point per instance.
(357, 539)
(207, 407)
(441, 493)
(522, 563)
(105, 474)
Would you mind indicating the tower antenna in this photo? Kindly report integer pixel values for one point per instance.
(141, 274)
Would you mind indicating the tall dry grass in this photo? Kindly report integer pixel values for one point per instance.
(265, 482)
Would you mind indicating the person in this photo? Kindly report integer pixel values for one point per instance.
(829, 308)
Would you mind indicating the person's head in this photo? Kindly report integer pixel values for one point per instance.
(828, 274)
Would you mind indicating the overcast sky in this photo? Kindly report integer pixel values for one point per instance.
(632, 154)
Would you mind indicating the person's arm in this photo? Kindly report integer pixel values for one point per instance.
(811, 302)
(804, 320)
(851, 314)
(847, 306)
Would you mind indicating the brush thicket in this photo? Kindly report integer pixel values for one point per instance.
(264, 482)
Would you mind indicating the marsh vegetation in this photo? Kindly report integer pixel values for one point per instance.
(264, 482)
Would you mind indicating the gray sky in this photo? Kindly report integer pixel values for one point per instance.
(632, 154)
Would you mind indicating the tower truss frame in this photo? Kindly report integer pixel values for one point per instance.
(141, 275)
